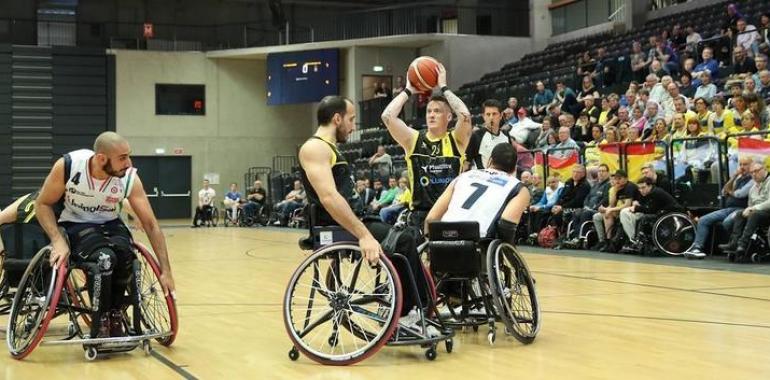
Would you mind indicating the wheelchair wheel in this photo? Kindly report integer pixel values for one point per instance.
(513, 291)
(34, 304)
(158, 311)
(77, 291)
(214, 216)
(346, 323)
(674, 233)
(3, 282)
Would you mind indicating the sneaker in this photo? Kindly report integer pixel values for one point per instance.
(694, 253)
(410, 321)
(728, 247)
(116, 324)
(104, 327)
(533, 235)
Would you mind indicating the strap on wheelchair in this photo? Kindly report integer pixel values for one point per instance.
(507, 231)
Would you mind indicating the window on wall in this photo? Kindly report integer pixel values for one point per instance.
(180, 99)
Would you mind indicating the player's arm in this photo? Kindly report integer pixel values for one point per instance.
(141, 205)
(440, 207)
(315, 158)
(397, 128)
(509, 220)
(51, 192)
(463, 126)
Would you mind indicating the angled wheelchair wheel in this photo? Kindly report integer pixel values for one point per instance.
(158, 312)
(4, 287)
(338, 309)
(34, 304)
(674, 233)
(76, 288)
(214, 216)
(513, 291)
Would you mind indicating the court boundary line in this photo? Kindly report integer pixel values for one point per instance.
(170, 364)
(628, 316)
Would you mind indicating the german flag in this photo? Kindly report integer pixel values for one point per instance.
(559, 164)
(756, 148)
(609, 154)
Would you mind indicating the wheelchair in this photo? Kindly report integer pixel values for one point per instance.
(489, 275)
(669, 234)
(227, 216)
(212, 219)
(586, 235)
(339, 310)
(45, 293)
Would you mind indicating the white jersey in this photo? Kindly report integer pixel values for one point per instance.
(205, 196)
(480, 195)
(89, 200)
(488, 142)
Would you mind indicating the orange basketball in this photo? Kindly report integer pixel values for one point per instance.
(423, 73)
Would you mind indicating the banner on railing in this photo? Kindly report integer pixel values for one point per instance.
(610, 156)
(559, 163)
(758, 149)
(636, 156)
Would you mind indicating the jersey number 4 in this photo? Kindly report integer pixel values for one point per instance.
(480, 190)
(76, 179)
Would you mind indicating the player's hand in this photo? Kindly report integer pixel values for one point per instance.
(409, 86)
(371, 249)
(167, 282)
(441, 75)
(59, 253)
(747, 211)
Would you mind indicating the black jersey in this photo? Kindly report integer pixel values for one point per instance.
(342, 180)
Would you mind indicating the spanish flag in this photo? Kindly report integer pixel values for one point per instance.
(559, 164)
(538, 167)
(636, 156)
(609, 154)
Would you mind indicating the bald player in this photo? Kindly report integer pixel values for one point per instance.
(91, 187)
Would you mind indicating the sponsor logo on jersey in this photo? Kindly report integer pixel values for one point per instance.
(114, 190)
(110, 199)
(498, 181)
(73, 190)
(92, 209)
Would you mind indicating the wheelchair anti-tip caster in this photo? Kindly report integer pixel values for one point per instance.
(91, 354)
(449, 345)
(293, 354)
(431, 354)
(146, 347)
(491, 337)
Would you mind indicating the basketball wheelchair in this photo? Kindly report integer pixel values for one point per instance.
(43, 293)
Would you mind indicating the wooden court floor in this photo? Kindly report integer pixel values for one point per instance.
(602, 319)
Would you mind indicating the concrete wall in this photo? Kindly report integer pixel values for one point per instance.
(238, 131)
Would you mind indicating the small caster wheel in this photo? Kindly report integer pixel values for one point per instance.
(475, 328)
(293, 354)
(449, 345)
(755, 258)
(71, 329)
(430, 354)
(146, 347)
(91, 354)
(332, 341)
(491, 338)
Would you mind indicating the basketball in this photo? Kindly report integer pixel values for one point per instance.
(423, 73)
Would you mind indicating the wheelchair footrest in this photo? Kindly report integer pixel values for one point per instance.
(137, 339)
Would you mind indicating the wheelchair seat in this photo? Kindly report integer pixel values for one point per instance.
(21, 241)
(453, 247)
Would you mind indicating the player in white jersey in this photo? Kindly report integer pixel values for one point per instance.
(92, 186)
(493, 197)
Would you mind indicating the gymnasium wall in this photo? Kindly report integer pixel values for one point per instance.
(238, 131)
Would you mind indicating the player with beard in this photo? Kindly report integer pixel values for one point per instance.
(327, 179)
(92, 186)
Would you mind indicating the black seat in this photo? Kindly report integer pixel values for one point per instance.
(453, 247)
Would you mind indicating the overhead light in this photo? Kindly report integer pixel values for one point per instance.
(377, 68)
(160, 151)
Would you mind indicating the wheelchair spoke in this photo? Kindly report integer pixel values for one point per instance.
(319, 321)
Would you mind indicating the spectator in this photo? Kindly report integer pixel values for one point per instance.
(702, 112)
(657, 69)
(483, 140)
(604, 71)
(735, 193)
(706, 89)
(651, 112)
(536, 190)
(526, 131)
(685, 85)
(293, 200)
(760, 63)
(610, 135)
(232, 201)
(673, 93)
(729, 27)
(764, 28)
(678, 37)
(634, 135)
(605, 114)
(688, 66)
(747, 37)
(567, 98)
(639, 62)
(651, 202)
(572, 196)
(589, 106)
(679, 126)
(255, 199)
(542, 98)
(596, 194)
(381, 162)
(763, 89)
(360, 194)
(582, 129)
(388, 214)
(205, 203)
(738, 107)
(619, 197)
(665, 55)
(659, 132)
(585, 64)
(623, 116)
(692, 39)
(756, 213)
(399, 86)
(542, 138)
(660, 181)
(743, 64)
(709, 64)
(513, 111)
(566, 143)
(587, 88)
(721, 120)
(380, 91)
(756, 105)
(749, 85)
(540, 211)
(656, 89)
(623, 132)
(736, 90)
(386, 197)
